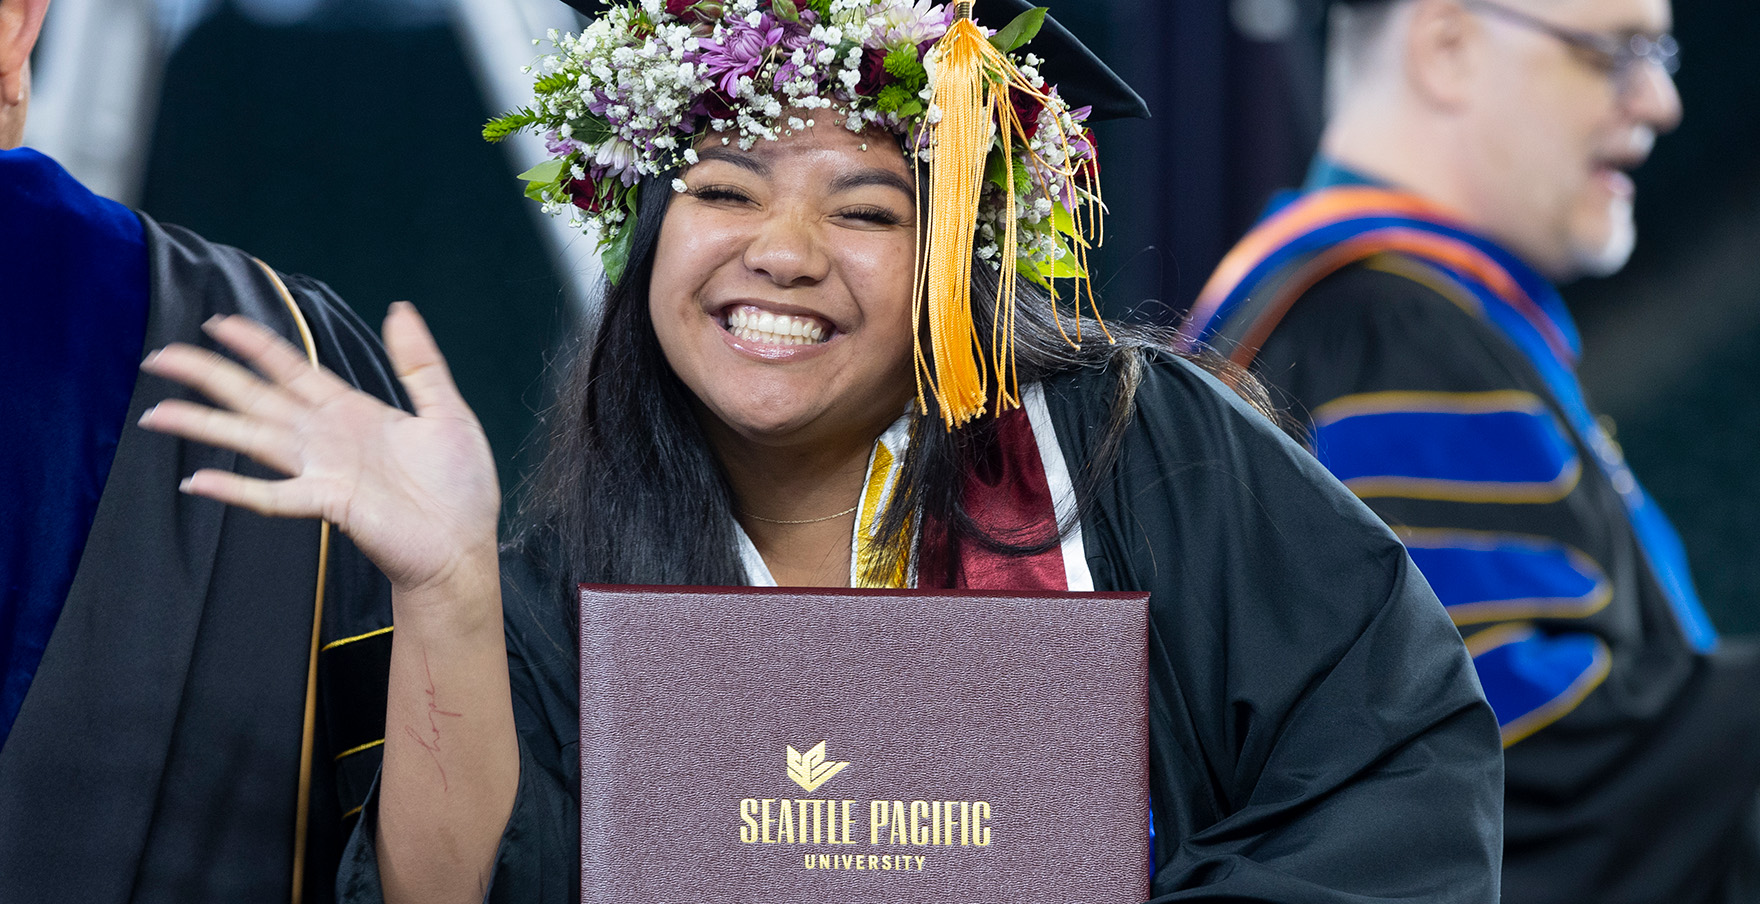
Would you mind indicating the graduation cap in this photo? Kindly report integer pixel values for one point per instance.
(1080, 76)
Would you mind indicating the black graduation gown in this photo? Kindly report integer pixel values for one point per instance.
(155, 757)
(1644, 790)
(1317, 731)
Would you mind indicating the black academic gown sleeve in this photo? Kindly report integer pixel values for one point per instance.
(538, 861)
(1317, 732)
(1644, 790)
(156, 755)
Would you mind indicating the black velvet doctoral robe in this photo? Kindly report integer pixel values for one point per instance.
(155, 756)
(1642, 789)
(1317, 732)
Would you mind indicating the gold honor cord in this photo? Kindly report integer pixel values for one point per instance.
(302, 811)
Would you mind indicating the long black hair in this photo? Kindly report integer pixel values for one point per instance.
(628, 491)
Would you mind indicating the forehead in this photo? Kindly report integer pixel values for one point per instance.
(1632, 16)
(824, 145)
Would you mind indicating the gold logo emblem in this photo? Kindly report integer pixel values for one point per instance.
(811, 769)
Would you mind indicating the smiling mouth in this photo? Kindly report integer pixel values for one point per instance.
(752, 324)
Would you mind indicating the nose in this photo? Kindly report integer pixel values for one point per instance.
(1653, 98)
(787, 249)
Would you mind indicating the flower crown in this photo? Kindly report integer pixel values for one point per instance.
(634, 91)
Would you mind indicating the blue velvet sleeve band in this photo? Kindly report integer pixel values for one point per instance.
(73, 314)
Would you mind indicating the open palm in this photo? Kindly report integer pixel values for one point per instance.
(415, 493)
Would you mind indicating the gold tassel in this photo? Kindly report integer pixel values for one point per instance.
(970, 86)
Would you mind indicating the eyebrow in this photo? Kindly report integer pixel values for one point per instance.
(879, 177)
(736, 157)
(846, 182)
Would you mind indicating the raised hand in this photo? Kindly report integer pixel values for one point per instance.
(417, 494)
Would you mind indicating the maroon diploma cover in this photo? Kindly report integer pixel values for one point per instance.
(785, 746)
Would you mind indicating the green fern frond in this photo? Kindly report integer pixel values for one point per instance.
(507, 124)
(554, 82)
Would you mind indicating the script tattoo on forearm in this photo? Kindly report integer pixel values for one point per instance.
(430, 741)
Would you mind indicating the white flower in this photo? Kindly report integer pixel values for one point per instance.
(903, 22)
(679, 186)
(616, 155)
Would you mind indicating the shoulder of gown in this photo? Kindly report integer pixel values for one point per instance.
(1317, 731)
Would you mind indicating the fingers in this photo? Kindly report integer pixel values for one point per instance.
(420, 366)
(275, 498)
(220, 379)
(274, 358)
(265, 442)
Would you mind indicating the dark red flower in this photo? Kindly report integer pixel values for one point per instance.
(1027, 108)
(874, 74)
(588, 195)
(712, 104)
(1088, 174)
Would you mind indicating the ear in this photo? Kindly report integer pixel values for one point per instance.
(20, 23)
(1438, 52)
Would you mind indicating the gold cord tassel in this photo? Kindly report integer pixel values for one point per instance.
(970, 84)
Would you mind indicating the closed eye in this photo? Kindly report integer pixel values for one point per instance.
(879, 216)
(725, 194)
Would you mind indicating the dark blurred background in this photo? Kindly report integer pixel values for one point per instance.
(339, 138)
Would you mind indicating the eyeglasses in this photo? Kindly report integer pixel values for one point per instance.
(1618, 56)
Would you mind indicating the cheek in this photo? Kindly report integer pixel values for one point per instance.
(884, 275)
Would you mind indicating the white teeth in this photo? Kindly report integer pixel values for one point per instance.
(750, 324)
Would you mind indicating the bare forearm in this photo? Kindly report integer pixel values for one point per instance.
(451, 754)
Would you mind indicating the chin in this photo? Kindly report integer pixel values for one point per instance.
(1609, 255)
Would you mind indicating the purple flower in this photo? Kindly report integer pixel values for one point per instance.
(740, 51)
(559, 146)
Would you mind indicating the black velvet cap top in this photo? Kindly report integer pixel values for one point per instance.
(1080, 76)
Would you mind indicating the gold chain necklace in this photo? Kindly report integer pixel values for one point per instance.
(803, 521)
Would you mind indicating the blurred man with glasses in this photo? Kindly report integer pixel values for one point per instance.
(1477, 152)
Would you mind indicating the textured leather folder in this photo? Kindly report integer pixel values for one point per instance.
(781, 746)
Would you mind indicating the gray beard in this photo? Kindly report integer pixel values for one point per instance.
(1613, 254)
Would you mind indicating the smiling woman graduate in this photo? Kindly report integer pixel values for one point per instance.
(829, 357)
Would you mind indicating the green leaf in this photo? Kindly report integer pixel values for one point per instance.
(614, 250)
(544, 173)
(507, 124)
(909, 108)
(892, 99)
(1024, 28)
(785, 10)
(996, 170)
(554, 82)
(1063, 221)
(1063, 268)
(902, 63)
(614, 254)
(592, 130)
